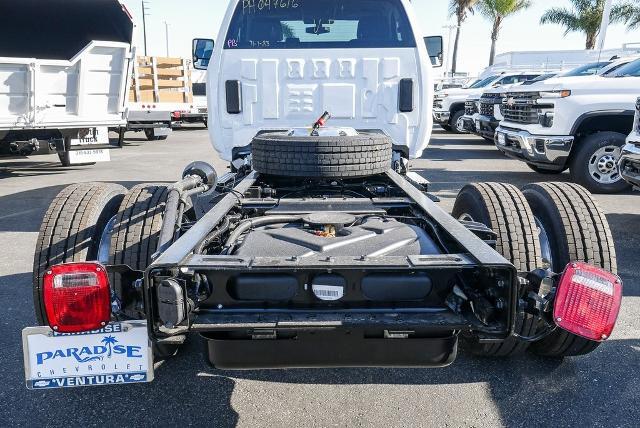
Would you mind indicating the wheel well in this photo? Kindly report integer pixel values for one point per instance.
(621, 122)
(456, 106)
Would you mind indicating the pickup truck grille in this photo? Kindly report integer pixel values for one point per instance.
(520, 107)
(470, 107)
(487, 103)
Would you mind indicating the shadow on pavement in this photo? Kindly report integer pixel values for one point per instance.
(24, 211)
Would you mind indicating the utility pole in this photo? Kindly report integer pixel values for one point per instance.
(451, 27)
(145, 10)
(606, 17)
(166, 33)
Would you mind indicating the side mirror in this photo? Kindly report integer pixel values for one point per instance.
(202, 51)
(435, 48)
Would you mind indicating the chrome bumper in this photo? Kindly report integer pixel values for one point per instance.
(630, 164)
(441, 116)
(536, 149)
(486, 126)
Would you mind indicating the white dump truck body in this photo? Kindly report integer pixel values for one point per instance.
(85, 91)
(64, 68)
(286, 73)
(68, 88)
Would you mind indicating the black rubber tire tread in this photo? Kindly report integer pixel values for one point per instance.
(71, 230)
(503, 208)
(578, 231)
(453, 122)
(321, 157)
(137, 228)
(583, 149)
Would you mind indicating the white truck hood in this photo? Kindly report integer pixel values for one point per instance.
(288, 88)
(560, 83)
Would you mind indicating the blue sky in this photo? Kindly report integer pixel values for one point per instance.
(202, 18)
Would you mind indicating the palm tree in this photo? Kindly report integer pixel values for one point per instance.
(498, 11)
(460, 9)
(630, 15)
(109, 341)
(586, 16)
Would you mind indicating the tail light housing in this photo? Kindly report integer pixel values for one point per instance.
(77, 297)
(587, 301)
(176, 115)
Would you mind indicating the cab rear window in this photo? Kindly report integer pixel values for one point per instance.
(319, 24)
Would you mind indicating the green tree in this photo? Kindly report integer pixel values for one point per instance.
(630, 14)
(585, 16)
(460, 9)
(497, 11)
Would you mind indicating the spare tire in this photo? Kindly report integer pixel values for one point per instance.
(321, 157)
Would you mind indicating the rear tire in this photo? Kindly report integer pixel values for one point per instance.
(137, 228)
(321, 157)
(135, 240)
(150, 133)
(503, 208)
(577, 230)
(72, 229)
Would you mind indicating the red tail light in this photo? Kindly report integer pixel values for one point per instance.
(176, 115)
(77, 297)
(587, 301)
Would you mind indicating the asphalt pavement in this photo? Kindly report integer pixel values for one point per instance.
(601, 389)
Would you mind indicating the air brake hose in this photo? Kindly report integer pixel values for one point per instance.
(253, 223)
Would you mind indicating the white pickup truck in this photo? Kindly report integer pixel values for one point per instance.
(449, 104)
(630, 159)
(576, 123)
(63, 77)
(317, 249)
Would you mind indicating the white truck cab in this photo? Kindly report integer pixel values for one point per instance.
(449, 105)
(577, 123)
(280, 65)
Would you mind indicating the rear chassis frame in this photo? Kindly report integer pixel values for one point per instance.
(248, 335)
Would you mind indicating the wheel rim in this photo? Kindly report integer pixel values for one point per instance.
(545, 245)
(460, 125)
(466, 217)
(603, 165)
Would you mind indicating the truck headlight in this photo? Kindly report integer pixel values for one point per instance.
(564, 93)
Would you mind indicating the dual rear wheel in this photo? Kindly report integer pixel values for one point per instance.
(546, 224)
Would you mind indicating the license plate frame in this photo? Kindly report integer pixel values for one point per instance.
(82, 358)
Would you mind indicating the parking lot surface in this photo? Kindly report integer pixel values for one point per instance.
(602, 389)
